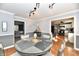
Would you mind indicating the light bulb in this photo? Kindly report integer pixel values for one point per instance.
(35, 35)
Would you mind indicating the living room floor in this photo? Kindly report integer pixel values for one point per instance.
(54, 51)
(68, 49)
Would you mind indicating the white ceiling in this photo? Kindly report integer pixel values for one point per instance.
(23, 9)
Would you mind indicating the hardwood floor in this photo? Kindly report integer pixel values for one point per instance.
(68, 51)
(9, 51)
(56, 44)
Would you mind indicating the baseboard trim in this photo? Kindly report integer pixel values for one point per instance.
(8, 47)
(9, 51)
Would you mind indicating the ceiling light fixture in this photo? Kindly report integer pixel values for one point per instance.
(32, 12)
(37, 5)
(34, 9)
(51, 5)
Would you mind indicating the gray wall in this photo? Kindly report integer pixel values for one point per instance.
(30, 25)
(10, 22)
(77, 42)
(6, 38)
(77, 23)
(44, 25)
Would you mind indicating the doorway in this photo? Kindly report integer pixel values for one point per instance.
(19, 30)
(64, 27)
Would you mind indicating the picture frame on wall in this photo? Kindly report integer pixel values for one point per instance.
(4, 26)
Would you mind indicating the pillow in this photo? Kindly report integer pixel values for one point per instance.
(24, 37)
(46, 36)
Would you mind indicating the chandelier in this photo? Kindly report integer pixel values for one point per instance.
(32, 12)
(51, 5)
(34, 9)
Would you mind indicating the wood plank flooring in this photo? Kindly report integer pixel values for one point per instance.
(56, 44)
(9, 51)
(68, 51)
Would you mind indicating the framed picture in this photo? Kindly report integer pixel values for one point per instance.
(4, 26)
